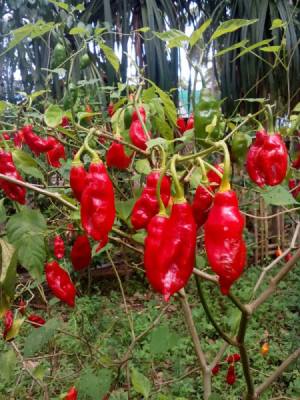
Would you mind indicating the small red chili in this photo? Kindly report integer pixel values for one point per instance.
(36, 321)
(231, 377)
(60, 283)
(59, 247)
(81, 253)
(72, 394)
(8, 322)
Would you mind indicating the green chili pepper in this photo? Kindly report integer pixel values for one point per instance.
(59, 55)
(84, 61)
(239, 146)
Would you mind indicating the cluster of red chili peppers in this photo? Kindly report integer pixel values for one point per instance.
(183, 125)
(137, 133)
(230, 375)
(8, 168)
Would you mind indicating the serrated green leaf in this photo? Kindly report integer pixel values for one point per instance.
(140, 383)
(143, 166)
(53, 116)
(110, 55)
(38, 338)
(231, 26)
(26, 231)
(198, 33)
(162, 340)
(26, 164)
(8, 362)
(242, 43)
(94, 386)
(278, 196)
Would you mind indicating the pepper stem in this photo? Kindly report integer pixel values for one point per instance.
(203, 170)
(225, 184)
(269, 115)
(179, 197)
(95, 157)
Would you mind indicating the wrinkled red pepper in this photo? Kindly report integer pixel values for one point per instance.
(294, 185)
(233, 358)
(202, 202)
(81, 253)
(65, 121)
(55, 154)
(147, 205)
(181, 125)
(110, 109)
(267, 159)
(135, 116)
(223, 236)
(5, 136)
(8, 322)
(296, 162)
(216, 369)
(60, 283)
(98, 204)
(214, 178)
(72, 394)
(7, 167)
(116, 156)
(190, 123)
(137, 135)
(22, 306)
(19, 139)
(36, 143)
(59, 247)
(231, 377)
(78, 177)
(36, 321)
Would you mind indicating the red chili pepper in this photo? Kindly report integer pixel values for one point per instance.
(60, 283)
(65, 121)
(296, 162)
(110, 109)
(190, 123)
(267, 159)
(137, 135)
(78, 177)
(98, 204)
(294, 185)
(81, 253)
(8, 322)
(155, 233)
(72, 394)
(223, 236)
(19, 139)
(116, 156)
(202, 202)
(181, 125)
(59, 247)
(88, 109)
(36, 321)
(147, 205)
(288, 257)
(7, 167)
(175, 258)
(5, 136)
(57, 153)
(231, 377)
(22, 307)
(36, 143)
(135, 116)
(278, 252)
(214, 178)
(215, 370)
(233, 358)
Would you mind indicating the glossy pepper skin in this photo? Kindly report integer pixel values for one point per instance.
(36, 143)
(59, 247)
(230, 376)
(54, 155)
(7, 167)
(78, 177)
(8, 322)
(155, 233)
(98, 204)
(36, 321)
(223, 237)
(72, 394)
(60, 283)
(116, 156)
(137, 135)
(19, 139)
(267, 159)
(135, 116)
(181, 125)
(65, 121)
(147, 205)
(190, 123)
(81, 253)
(176, 256)
(215, 179)
(202, 202)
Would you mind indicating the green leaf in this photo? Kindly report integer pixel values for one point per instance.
(139, 237)
(297, 108)
(231, 26)
(94, 386)
(170, 108)
(8, 264)
(59, 4)
(79, 7)
(270, 49)
(278, 196)
(53, 116)
(124, 208)
(14, 330)
(78, 30)
(143, 29)
(110, 55)
(252, 47)
(40, 371)
(172, 34)
(3, 106)
(38, 338)
(8, 361)
(157, 141)
(242, 43)
(140, 383)
(2, 212)
(26, 164)
(26, 231)
(118, 395)
(162, 340)
(277, 23)
(143, 166)
(198, 33)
